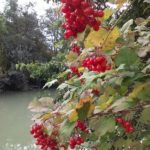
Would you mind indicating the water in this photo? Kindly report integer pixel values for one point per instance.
(15, 120)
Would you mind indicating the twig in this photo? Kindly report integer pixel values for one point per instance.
(138, 107)
(116, 23)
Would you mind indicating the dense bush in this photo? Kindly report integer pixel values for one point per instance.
(43, 71)
(106, 91)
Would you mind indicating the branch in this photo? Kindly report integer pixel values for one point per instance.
(117, 22)
(136, 108)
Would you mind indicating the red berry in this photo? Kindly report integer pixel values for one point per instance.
(76, 2)
(130, 129)
(95, 91)
(66, 9)
(120, 120)
(100, 13)
(68, 34)
(88, 11)
(98, 64)
(85, 4)
(126, 124)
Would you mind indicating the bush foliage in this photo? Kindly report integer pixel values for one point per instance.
(103, 108)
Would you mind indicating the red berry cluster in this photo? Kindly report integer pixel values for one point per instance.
(69, 76)
(79, 14)
(82, 126)
(98, 64)
(42, 139)
(75, 70)
(95, 91)
(75, 48)
(75, 140)
(125, 124)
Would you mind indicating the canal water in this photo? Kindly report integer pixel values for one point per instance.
(15, 119)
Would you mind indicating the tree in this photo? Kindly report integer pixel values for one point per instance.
(51, 25)
(4, 63)
(24, 40)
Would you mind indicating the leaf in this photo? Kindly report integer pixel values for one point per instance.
(106, 104)
(81, 36)
(104, 146)
(119, 105)
(49, 84)
(71, 56)
(127, 56)
(120, 143)
(81, 69)
(42, 105)
(125, 28)
(141, 91)
(66, 129)
(139, 21)
(120, 3)
(146, 69)
(73, 116)
(46, 116)
(145, 115)
(102, 38)
(64, 74)
(107, 13)
(65, 85)
(147, 1)
(144, 51)
(84, 108)
(103, 125)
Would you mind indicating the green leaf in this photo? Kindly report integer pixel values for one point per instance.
(49, 84)
(66, 128)
(141, 91)
(103, 125)
(120, 105)
(145, 115)
(104, 146)
(144, 95)
(126, 143)
(83, 111)
(126, 26)
(42, 105)
(128, 57)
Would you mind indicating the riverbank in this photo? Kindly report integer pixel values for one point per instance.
(19, 81)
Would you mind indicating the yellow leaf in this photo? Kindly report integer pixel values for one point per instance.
(120, 3)
(102, 38)
(85, 107)
(105, 105)
(107, 13)
(73, 116)
(92, 107)
(138, 89)
(81, 69)
(46, 116)
(82, 101)
(71, 56)
(81, 36)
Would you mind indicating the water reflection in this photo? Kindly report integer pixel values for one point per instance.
(9, 146)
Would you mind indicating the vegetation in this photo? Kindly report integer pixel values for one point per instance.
(105, 100)
(30, 41)
(43, 72)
